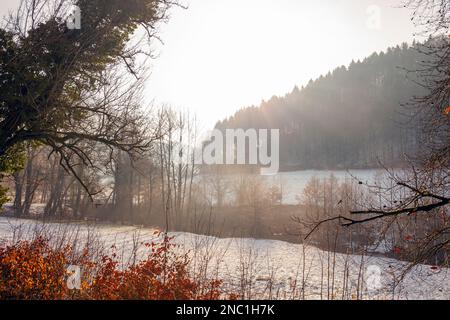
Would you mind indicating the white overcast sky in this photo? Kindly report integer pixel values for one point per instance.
(221, 55)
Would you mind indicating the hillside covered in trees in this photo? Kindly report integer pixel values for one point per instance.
(353, 117)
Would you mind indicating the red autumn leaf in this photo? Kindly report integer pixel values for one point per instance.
(397, 250)
(408, 238)
(447, 111)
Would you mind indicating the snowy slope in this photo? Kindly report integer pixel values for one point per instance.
(260, 268)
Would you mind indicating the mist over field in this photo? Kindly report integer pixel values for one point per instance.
(224, 150)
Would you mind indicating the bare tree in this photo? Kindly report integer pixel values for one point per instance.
(423, 188)
(67, 88)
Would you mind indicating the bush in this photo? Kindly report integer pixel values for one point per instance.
(34, 270)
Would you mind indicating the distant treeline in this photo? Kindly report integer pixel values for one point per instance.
(353, 117)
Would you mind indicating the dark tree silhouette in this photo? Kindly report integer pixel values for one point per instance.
(70, 89)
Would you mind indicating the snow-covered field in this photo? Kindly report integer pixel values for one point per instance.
(260, 268)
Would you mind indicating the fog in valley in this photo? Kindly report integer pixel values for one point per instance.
(225, 149)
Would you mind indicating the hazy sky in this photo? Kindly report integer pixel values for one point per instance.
(221, 55)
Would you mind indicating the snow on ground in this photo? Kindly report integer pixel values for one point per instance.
(259, 268)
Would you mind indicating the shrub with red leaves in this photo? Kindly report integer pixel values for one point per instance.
(33, 270)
